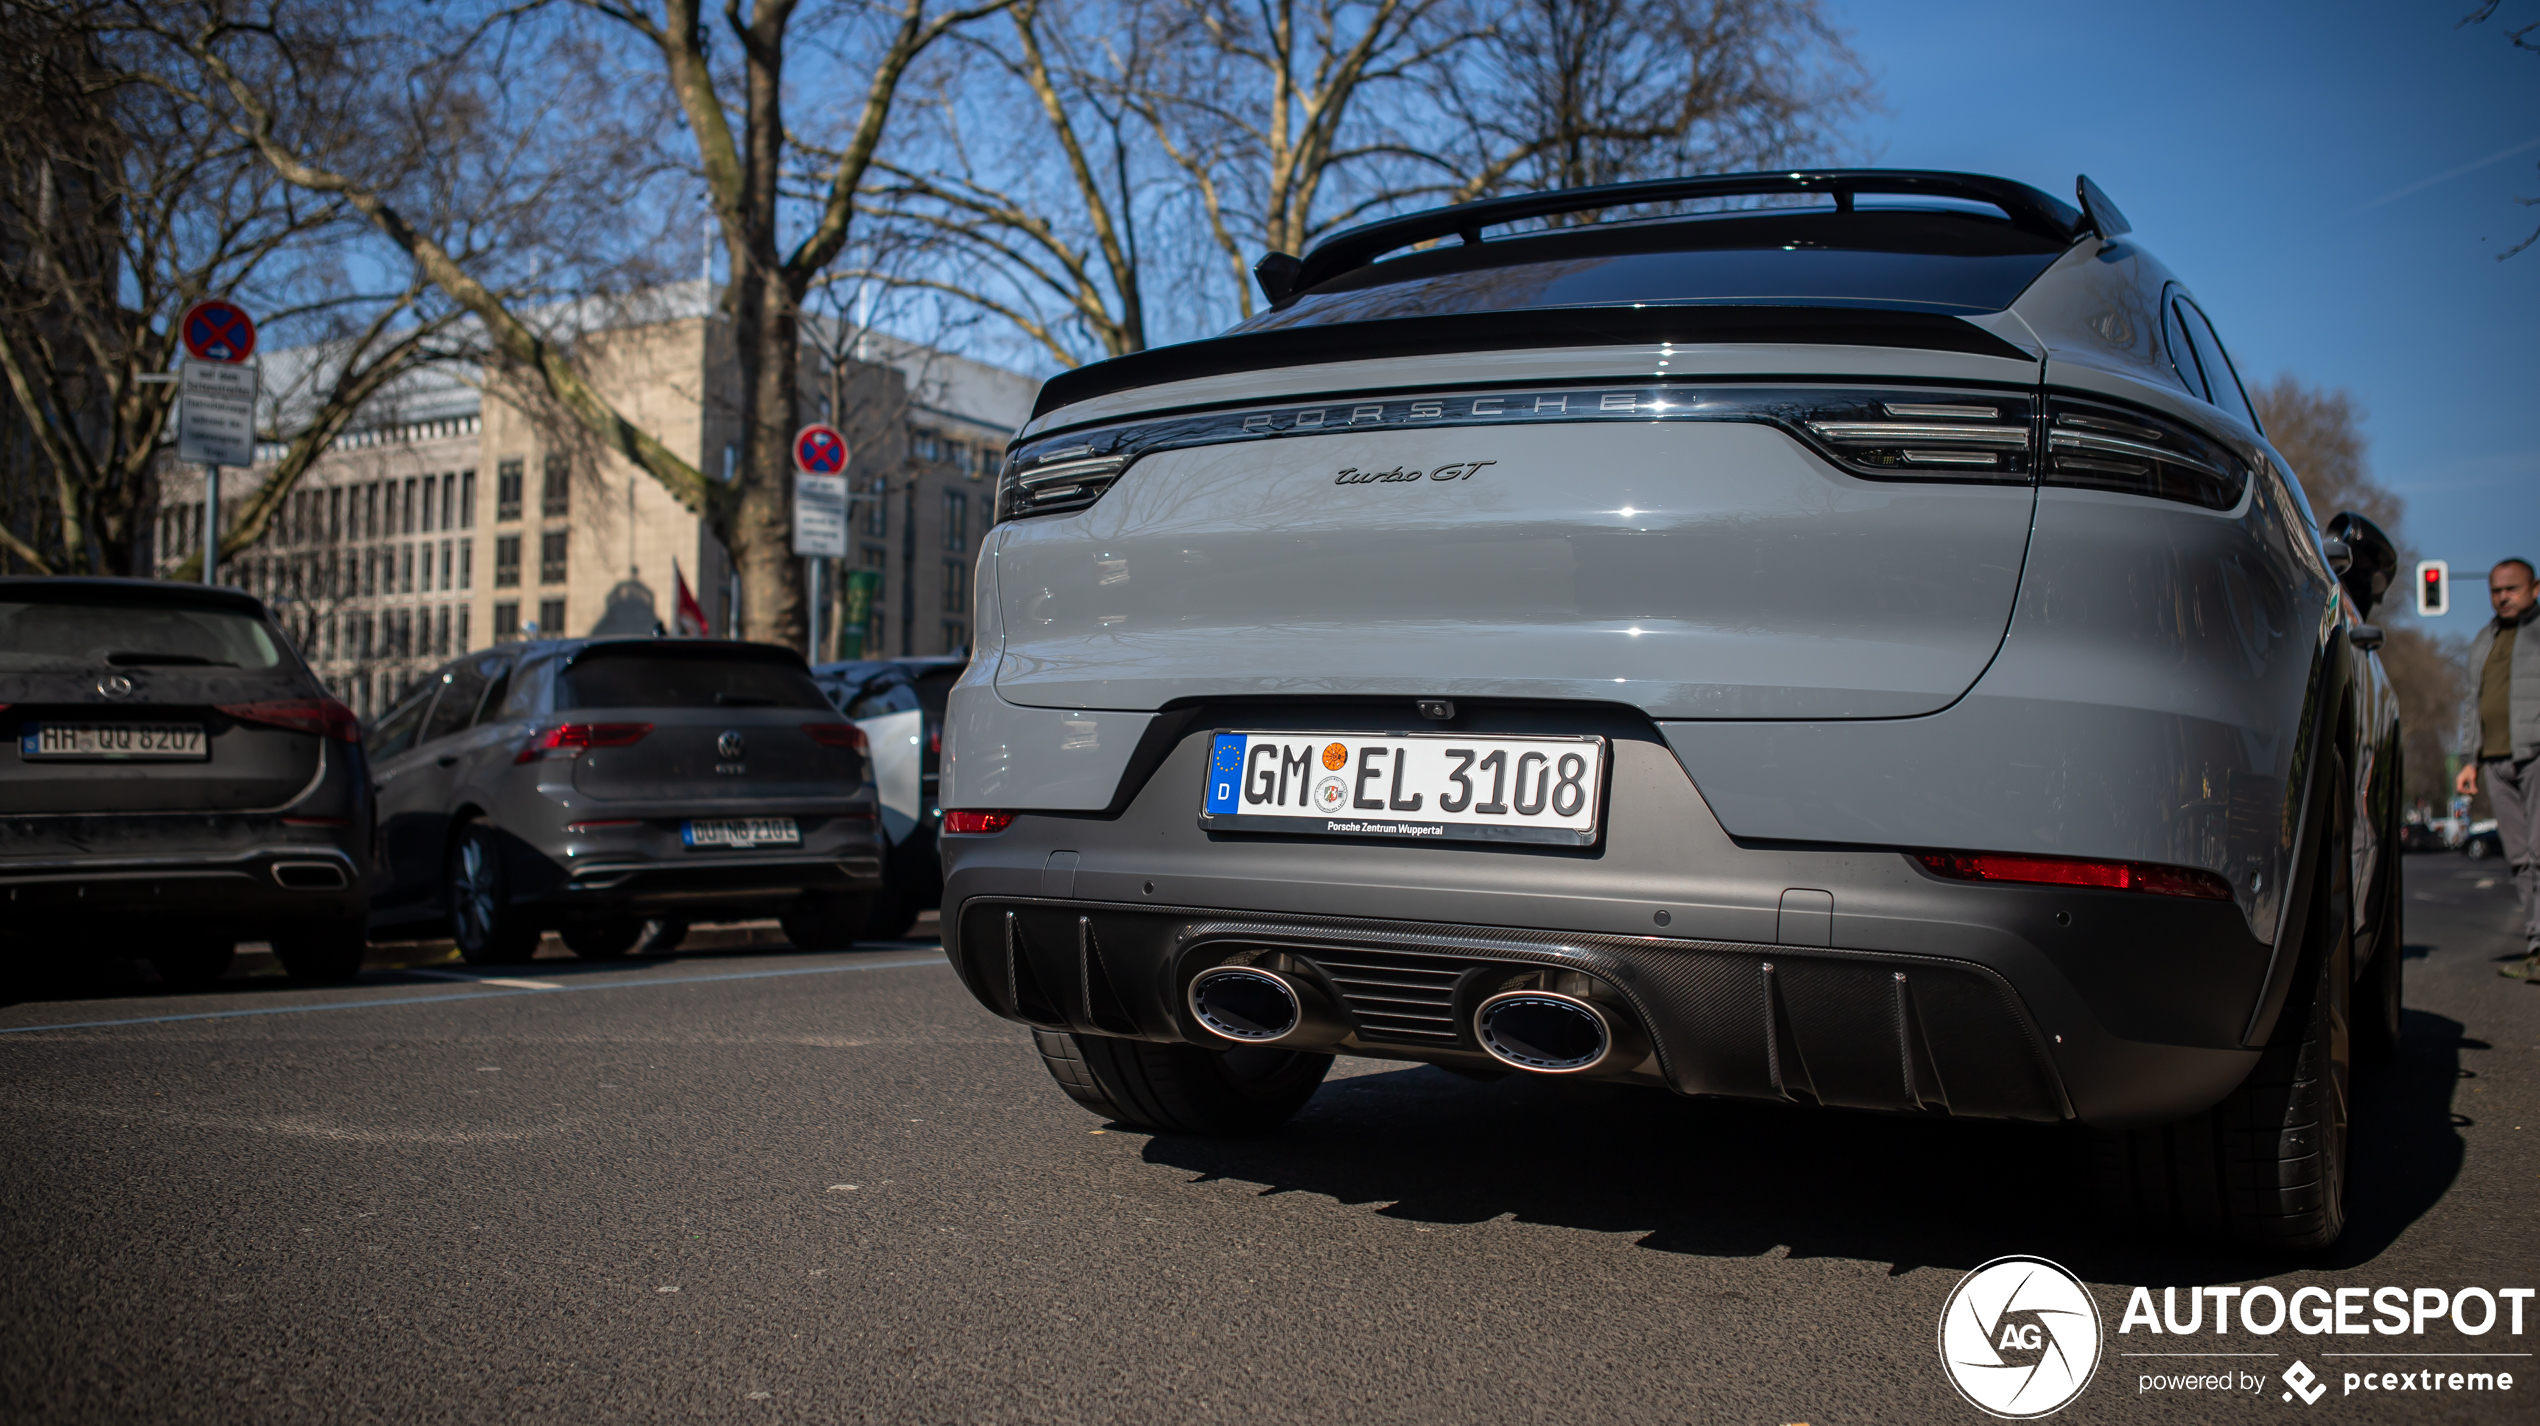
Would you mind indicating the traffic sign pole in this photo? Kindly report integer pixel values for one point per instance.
(216, 414)
(211, 524)
(820, 518)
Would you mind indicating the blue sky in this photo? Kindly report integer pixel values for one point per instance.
(2258, 148)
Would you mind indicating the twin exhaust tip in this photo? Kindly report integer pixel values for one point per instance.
(1546, 1031)
(1541, 1031)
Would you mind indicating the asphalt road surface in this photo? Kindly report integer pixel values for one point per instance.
(759, 1186)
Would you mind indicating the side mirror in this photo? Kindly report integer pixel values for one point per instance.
(2372, 560)
(2366, 637)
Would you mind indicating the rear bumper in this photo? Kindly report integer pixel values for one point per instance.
(729, 884)
(1836, 976)
(249, 893)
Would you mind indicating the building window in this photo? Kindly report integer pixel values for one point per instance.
(507, 562)
(551, 618)
(873, 632)
(507, 620)
(406, 510)
(877, 511)
(462, 628)
(551, 556)
(957, 520)
(467, 500)
(956, 636)
(405, 555)
(467, 564)
(449, 559)
(507, 489)
(431, 508)
(956, 587)
(555, 489)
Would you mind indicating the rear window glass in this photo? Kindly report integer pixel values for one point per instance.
(1945, 262)
(648, 677)
(49, 634)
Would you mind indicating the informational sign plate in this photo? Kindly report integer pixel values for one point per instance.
(820, 515)
(216, 417)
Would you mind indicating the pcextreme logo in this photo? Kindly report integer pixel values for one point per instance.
(2020, 1338)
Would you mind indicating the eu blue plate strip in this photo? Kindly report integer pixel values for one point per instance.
(498, 993)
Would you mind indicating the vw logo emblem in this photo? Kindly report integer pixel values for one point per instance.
(729, 747)
(115, 685)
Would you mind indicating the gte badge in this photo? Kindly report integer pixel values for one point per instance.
(2019, 1338)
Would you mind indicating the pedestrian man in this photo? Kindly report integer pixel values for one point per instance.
(2502, 733)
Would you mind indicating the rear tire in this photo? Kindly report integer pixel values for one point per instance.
(323, 955)
(608, 940)
(190, 962)
(2266, 1168)
(1182, 1089)
(826, 920)
(489, 929)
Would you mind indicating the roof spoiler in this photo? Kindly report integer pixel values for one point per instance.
(1282, 276)
(2098, 215)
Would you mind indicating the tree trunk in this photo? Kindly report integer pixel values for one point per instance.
(768, 339)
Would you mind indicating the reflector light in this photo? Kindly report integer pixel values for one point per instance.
(571, 740)
(322, 716)
(604, 822)
(2066, 871)
(969, 822)
(835, 735)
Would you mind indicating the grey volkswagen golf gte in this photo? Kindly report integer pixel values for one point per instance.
(589, 786)
(1854, 647)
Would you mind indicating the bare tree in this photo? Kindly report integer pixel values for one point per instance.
(448, 77)
(2320, 434)
(120, 208)
(1159, 129)
(2526, 37)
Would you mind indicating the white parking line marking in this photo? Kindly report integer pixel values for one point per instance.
(485, 979)
(938, 961)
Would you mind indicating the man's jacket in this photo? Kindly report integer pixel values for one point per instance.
(2522, 703)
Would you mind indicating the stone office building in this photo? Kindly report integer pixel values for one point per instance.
(452, 518)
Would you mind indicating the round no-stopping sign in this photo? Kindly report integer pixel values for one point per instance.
(214, 330)
(820, 450)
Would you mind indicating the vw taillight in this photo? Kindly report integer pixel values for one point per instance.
(836, 735)
(571, 740)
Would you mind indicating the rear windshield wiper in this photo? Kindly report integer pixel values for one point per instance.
(742, 700)
(134, 658)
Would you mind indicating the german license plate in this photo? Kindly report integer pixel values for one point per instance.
(742, 832)
(1415, 786)
(177, 742)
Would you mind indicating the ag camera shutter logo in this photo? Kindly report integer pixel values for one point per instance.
(2020, 1338)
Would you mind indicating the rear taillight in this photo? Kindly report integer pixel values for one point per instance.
(935, 738)
(836, 735)
(2096, 446)
(2067, 871)
(571, 740)
(1054, 482)
(322, 716)
(969, 822)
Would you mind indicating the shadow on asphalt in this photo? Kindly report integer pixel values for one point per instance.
(1733, 1179)
(133, 980)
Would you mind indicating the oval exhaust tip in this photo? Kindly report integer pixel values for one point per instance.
(1539, 1030)
(1242, 1004)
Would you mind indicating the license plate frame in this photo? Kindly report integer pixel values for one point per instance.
(1231, 806)
(136, 739)
(735, 834)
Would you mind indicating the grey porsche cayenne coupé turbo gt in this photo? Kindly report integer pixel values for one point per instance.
(1853, 646)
